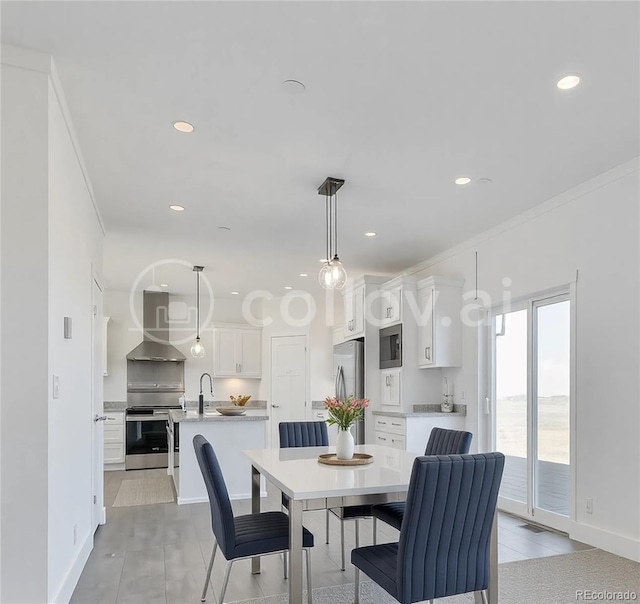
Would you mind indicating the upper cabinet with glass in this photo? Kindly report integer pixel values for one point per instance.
(439, 322)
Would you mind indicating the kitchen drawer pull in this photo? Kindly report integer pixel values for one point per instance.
(427, 353)
(394, 424)
(320, 415)
(382, 423)
(381, 438)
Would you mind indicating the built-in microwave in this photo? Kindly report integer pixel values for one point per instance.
(391, 347)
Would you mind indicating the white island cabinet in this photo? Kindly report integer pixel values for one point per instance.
(229, 436)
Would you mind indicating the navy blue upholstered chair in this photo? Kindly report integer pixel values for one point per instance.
(441, 442)
(314, 434)
(446, 531)
(243, 536)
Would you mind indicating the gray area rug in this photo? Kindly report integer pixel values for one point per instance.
(551, 580)
(144, 491)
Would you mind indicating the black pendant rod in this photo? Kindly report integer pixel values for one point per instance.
(198, 305)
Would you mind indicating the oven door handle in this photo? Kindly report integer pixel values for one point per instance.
(147, 418)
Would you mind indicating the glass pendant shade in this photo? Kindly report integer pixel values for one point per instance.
(338, 273)
(197, 349)
(325, 276)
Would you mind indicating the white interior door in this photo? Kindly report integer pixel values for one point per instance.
(288, 382)
(97, 372)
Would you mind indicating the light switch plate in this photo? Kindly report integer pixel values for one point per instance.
(56, 386)
(68, 328)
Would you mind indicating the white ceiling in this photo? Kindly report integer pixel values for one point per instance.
(401, 98)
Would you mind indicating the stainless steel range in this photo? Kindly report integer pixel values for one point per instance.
(155, 382)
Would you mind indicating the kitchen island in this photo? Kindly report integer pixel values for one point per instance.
(229, 436)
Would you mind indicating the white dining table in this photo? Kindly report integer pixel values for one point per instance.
(310, 485)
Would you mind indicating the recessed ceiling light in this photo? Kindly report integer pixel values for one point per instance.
(463, 180)
(304, 275)
(370, 234)
(185, 127)
(224, 228)
(568, 81)
(234, 293)
(288, 287)
(177, 208)
(293, 87)
(164, 285)
(484, 181)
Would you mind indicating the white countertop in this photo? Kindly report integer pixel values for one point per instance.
(177, 416)
(297, 472)
(422, 414)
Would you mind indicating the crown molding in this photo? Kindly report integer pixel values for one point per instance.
(33, 60)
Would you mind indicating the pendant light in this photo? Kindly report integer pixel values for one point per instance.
(332, 274)
(197, 348)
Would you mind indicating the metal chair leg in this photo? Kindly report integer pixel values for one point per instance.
(342, 541)
(203, 598)
(356, 599)
(225, 581)
(285, 558)
(309, 589)
(327, 529)
(357, 533)
(480, 597)
(375, 531)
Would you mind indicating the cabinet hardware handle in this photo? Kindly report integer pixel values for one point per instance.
(382, 423)
(427, 353)
(380, 438)
(320, 415)
(276, 406)
(240, 367)
(394, 424)
(99, 418)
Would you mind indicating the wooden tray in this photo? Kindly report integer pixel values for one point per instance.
(359, 459)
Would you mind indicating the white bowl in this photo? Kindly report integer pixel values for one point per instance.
(231, 410)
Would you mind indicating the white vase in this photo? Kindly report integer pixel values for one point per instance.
(344, 445)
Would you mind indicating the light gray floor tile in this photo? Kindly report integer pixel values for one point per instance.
(158, 554)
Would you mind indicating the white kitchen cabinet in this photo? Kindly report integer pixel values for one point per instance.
(392, 302)
(237, 352)
(439, 322)
(391, 386)
(105, 340)
(356, 305)
(113, 436)
(354, 312)
(411, 433)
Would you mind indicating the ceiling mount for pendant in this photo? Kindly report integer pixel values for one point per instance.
(197, 348)
(332, 274)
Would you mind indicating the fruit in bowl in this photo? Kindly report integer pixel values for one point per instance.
(240, 401)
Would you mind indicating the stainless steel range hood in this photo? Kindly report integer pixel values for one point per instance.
(155, 324)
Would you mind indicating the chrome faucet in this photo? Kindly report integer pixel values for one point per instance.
(201, 397)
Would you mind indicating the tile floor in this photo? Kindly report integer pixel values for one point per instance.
(157, 554)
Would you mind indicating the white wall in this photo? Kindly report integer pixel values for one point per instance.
(24, 383)
(592, 229)
(51, 237)
(75, 250)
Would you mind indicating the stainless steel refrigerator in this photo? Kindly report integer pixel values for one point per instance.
(348, 376)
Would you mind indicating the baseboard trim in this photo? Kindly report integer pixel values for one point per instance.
(187, 500)
(73, 576)
(610, 542)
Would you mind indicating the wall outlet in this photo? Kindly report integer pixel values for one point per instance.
(56, 386)
(589, 505)
(75, 533)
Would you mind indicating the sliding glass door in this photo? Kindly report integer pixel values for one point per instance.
(530, 379)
